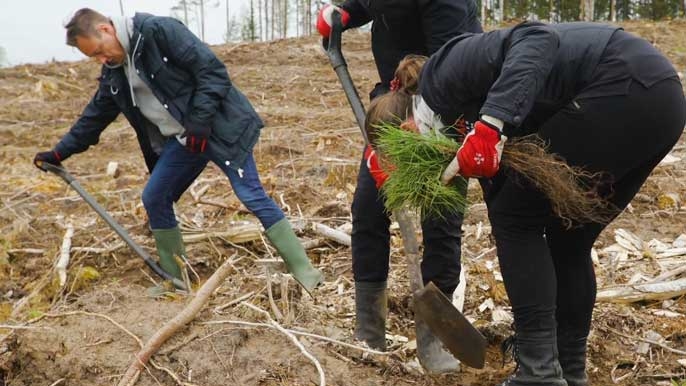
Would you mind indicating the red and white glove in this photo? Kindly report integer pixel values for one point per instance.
(324, 21)
(374, 167)
(480, 153)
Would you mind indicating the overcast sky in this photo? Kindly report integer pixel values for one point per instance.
(31, 31)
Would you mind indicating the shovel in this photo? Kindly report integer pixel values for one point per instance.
(71, 181)
(431, 306)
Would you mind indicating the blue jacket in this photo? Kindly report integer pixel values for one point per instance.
(188, 79)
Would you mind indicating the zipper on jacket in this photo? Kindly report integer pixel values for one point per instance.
(132, 67)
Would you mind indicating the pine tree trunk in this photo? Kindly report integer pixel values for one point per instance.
(202, 20)
(266, 20)
(613, 10)
(502, 11)
(483, 10)
(285, 19)
(228, 24)
(274, 8)
(308, 18)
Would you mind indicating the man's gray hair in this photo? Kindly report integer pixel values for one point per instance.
(83, 24)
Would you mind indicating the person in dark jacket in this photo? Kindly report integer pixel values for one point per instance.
(186, 112)
(399, 28)
(604, 100)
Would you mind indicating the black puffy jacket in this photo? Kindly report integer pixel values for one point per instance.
(403, 27)
(524, 74)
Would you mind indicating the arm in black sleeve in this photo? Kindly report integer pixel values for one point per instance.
(530, 52)
(359, 15)
(98, 114)
(442, 20)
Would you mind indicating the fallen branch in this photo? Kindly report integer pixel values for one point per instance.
(99, 251)
(669, 274)
(29, 251)
(649, 341)
(303, 333)
(180, 320)
(63, 261)
(641, 292)
(241, 234)
(239, 299)
(330, 233)
(322, 378)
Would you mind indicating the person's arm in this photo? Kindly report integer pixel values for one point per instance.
(211, 79)
(530, 51)
(98, 114)
(442, 20)
(359, 14)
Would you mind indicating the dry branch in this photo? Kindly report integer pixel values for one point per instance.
(180, 320)
(641, 292)
(273, 323)
(330, 233)
(63, 261)
(241, 234)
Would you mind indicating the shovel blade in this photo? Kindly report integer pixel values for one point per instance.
(448, 324)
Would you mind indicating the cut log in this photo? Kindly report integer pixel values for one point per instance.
(238, 235)
(333, 234)
(641, 292)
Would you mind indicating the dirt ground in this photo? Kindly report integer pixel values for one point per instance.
(308, 155)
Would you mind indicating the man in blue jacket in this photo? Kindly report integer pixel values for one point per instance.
(179, 99)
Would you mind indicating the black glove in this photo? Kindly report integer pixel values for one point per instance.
(51, 157)
(196, 137)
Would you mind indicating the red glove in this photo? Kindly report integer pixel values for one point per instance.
(196, 137)
(375, 170)
(51, 157)
(479, 155)
(324, 19)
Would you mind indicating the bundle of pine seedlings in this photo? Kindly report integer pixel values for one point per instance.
(415, 163)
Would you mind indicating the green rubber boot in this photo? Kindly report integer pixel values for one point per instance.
(169, 245)
(292, 252)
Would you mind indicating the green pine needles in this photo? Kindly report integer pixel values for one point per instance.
(417, 164)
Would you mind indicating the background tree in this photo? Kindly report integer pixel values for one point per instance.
(4, 62)
(249, 29)
(233, 28)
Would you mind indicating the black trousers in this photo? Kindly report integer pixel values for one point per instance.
(547, 269)
(371, 239)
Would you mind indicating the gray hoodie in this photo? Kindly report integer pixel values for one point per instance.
(141, 95)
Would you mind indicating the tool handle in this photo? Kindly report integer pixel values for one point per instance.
(118, 229)
(339, 65)
(402, 216)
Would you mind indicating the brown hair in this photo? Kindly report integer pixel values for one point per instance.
(83, 24)
(408, 72)
(392, 108)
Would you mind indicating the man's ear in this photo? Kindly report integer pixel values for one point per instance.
(105, 28)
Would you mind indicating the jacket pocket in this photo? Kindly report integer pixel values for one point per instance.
(169, 79)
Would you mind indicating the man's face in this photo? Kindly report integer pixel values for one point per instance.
(102, 46)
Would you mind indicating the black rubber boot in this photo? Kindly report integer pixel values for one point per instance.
(573, 359)
(371, 308)
(537, 359)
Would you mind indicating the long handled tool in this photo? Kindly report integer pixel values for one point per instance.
(71, 181)
(430, 304)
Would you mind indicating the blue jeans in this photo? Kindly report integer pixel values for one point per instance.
(176, 170)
